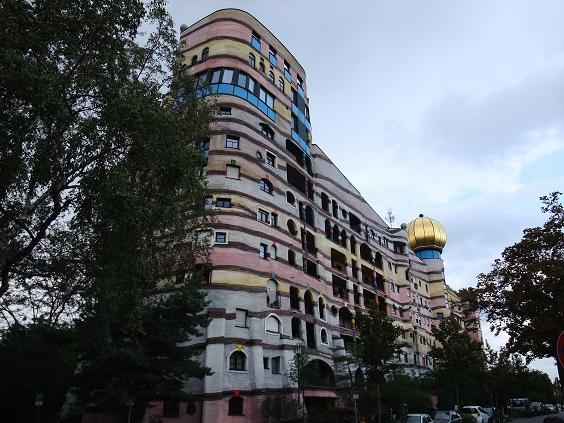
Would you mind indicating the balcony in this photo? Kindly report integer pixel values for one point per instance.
(301, 142)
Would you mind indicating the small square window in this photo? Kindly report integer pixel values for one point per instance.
(263, 216)
(276, 365)
(232, 171)
(273, 219)
(223, 202)
(225, 111)
(270, 159)
(232, 141)
(221, 237)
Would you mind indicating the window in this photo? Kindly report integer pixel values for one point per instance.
(263, 216)
(223, 202)
(265, 186)
(287, 73)
(235, 406)
(171, 408)
(266, 97)
(232, 171)
(272, 324)
(225, 111)
(440, 316)
(232, 141)
(273, 219)
(324, 336)
(266, 130)
(266, 363)
(261, 67)
(221, 237)
(276, 365)
(194, 60)
(255, 41)
(191, 408)
(241, 318)
(227, 76)
(263, 251)
(321, 306)
(271, 76)
(252, 60)
(300, 82)
(272, 56)
(205, 54)
(281, 84)
(238, 361)
(296, 326)
(274, 252)
(291, 258)
(290, 198)
(270, 159)
(292, 227)
(272, 293)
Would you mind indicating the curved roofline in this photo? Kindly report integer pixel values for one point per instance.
(259, 22)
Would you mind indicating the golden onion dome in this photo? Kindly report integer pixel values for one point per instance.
(425, 232)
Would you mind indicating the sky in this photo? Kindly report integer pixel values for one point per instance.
(451, 109)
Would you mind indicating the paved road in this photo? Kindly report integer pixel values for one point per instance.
(537, 419)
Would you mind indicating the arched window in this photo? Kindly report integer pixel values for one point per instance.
(296, 328)
(235, 406)
(291, 258)
(271, 76)
(378, 262)
(272, 293)
(272, 324)
(321, 306)
(308, 303)
(327, 229)
(309, 216)
(335, 208)
(324, 339)
(345, 318)
(205, 54)
(365, 252)
(265, 185)
(292, 227)
(266, 130)
(281, 84)
(290, 198)
(353, 245)
(238, 361)
(194, 60)
(336, 234)
(261, 67)
(251, 60)
(325, 202)
(344, 238)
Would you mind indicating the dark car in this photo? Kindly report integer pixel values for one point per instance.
(447, 416)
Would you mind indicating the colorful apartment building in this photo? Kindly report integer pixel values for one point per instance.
(296, 247)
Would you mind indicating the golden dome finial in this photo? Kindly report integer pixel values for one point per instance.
(426, 233)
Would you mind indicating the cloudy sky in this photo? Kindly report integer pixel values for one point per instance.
(451, 109)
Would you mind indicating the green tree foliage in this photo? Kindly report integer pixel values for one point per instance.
(35, 359)
(402, 389)
(522, 294)
(101, 199)
(460, 364)
(377, 347)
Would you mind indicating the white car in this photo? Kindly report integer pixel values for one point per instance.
(477, 412)
(418, 418)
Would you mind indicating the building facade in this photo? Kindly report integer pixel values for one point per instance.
(296, 247)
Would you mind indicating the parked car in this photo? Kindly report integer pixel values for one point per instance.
(550, 408)
(418, 418)
(494, 414)
(477, 412)
(448, 416)
(535, 408)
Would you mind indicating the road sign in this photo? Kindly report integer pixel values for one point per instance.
(560, 349)
(39, 400)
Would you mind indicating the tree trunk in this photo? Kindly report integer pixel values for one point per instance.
(379, 403)
(560, 379)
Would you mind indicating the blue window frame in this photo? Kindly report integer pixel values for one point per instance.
(272, 56)
(255, 41)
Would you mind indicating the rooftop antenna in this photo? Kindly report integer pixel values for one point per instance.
(391, 218)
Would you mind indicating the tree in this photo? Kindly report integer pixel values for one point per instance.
(522, 294)
(377, 347)
(101, 198)
(459, 359)
(300, 373)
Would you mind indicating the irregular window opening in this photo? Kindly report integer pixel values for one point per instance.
(308, 303)
(235, 406)
(340, 288)
(237, 361)
(292, 227)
